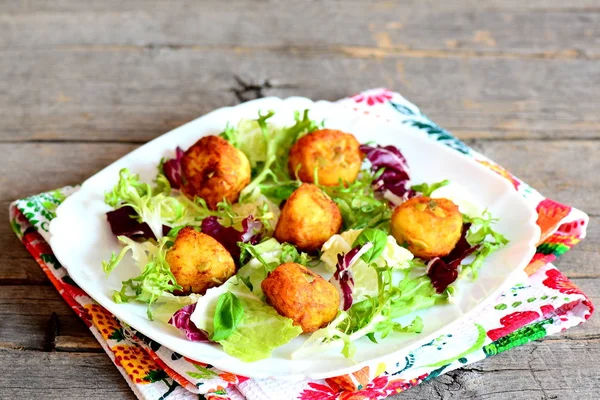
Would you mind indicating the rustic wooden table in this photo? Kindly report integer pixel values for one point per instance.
(83, 83)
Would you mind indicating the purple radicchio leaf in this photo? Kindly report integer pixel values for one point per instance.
(395, 179)
(123, 222)
(443, 271)
(173, 170)
(181, 320)
(343, 276)
(229, 237)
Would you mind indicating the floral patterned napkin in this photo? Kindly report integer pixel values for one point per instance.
(544, 303)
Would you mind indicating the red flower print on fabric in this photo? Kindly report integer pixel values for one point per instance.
(318, 392)
(373, 97)
(575, 228)
(512, 322)
(379, 388)
(556, 280)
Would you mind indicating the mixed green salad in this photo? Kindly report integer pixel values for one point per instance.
(378, 277)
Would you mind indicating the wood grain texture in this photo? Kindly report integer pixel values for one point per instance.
(538, 370)
(138, 94)
(84, 83)
(33, 374)
(451, 29)
(130, 72)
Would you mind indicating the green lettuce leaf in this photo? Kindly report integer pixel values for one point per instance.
(260, 331)
(426, 189)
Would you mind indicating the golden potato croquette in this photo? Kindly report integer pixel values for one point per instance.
(428, 227)
(214, 170)
(198, 261)
(298, 293)
(308, 218)
(334, 155)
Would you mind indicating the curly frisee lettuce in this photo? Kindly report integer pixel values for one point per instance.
(155, 281)
(267, 148)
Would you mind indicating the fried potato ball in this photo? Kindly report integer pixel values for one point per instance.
(198, 261)
(334, 155)
(298, 293)
(214, 170)
(428, 227)
(308, 218)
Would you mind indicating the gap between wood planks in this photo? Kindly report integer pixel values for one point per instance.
(361, 52)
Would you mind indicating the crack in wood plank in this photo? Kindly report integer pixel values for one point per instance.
(247, 90)
(52, 332)
(360, 52)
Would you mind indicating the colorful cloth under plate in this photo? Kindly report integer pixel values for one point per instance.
(544, 303)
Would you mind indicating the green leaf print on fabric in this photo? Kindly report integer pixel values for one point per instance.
(50, 259)
(40, 209)
(155, 376)
(402, 109)
(119, 335)
(436, 372)
(203, 373)
(70, 281)
(477, 345)
(520, 336)
(439, 134)
(16, 227)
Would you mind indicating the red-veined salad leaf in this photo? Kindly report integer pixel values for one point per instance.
(478, 239)
(181, 321)
(343, 275)
(172, 169)
(154, 205)
(252, 231)
(443, 271)
(124, 222)
(394, 182)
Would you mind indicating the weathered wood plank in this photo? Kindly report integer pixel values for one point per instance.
(534, 371)
(32, 317)
(136, 94)
(538, 370)
(65, 6)
(34, 375)
(562, 170)
(17, 267)
(47, 166)
(439, 31)
(77, 343)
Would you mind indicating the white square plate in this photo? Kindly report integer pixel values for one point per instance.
(81, 238)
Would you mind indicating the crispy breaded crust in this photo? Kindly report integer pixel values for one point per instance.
(214, 170)
(298, 293)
